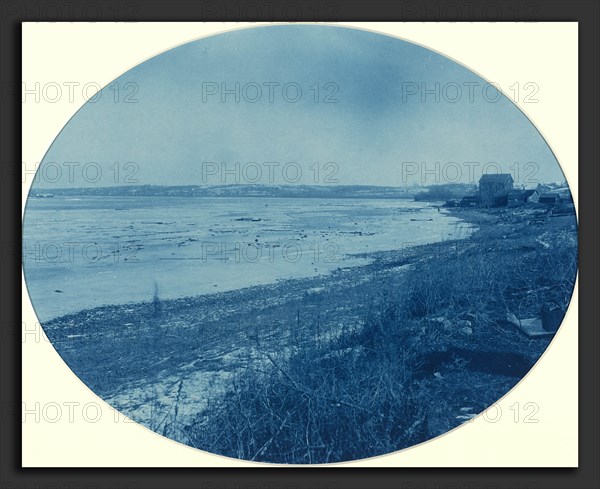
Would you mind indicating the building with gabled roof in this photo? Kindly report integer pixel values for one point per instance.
(494, 188)
(523, 196)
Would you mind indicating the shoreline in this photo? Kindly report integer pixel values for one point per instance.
(329, 263)
(188, 351)
(226, 314)
(380, 261)
(195, 257)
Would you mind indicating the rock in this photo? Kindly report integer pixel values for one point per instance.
(314, 290)
(470, 316)
(552, 316)
(438, 375)
(466, 331)
(512, 319)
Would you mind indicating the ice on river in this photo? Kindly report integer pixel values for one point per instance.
(85, 252)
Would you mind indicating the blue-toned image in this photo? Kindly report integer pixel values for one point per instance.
(300, 244)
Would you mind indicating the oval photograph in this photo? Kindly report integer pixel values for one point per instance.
(300, 244)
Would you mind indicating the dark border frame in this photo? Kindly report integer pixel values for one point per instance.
(586, 12)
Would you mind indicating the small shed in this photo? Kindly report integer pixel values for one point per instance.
(549, 198)
(517, 197)
(533, 197)
(566, 197)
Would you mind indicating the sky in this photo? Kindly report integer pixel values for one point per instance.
(336, 106)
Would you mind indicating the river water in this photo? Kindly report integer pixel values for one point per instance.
(83, 252)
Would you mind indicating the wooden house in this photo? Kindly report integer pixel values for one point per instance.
(494, 188)
(549, 198)
(517, 197)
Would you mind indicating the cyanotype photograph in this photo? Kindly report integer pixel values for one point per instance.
(301, 244)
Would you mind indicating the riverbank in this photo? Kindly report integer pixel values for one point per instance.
(113, 250)
(361, 362)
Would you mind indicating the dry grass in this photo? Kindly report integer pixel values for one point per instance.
(383, 359)
(373, 391)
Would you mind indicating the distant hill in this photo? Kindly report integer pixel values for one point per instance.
(289, 191)
(446, 191)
